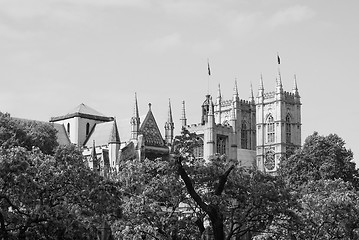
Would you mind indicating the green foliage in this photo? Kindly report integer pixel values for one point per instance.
(27, 134)
(322, 157)
(238, 202)
(153, 198)
(325, 182)
(53, 197)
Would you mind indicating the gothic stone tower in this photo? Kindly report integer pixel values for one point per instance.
(278, 122)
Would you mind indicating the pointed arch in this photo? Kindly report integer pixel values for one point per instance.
(270, 129)
(288, 128)
(244, 135)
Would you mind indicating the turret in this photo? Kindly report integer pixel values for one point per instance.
(135, 121)
(295, 88)
(169, 125)
(183, 116)
(251, 98)
(209, 134)
(261, 87)
(279, 85)
(235, 92)
(95, 165)
(218, 105)
(205, 109)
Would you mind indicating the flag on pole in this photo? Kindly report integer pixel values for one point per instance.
(278, 58)
(209, 69)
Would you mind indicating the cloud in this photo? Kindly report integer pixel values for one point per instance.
(164, 43)
(209, 47)
(107, 3)
(188, 8)
(242, 23)
(294, 14)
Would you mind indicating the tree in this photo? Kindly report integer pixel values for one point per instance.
(237, 201)
(53, 197)
(325, 182)
(27, 133)
(329, 210)
(322, 157)
(153, 202)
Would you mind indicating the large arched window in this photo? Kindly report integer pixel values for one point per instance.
(87, 129)
(244, 135)
(270, 129)
(68, 128)
(288, 129)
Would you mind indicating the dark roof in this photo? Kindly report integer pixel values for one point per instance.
(151, 133)
(83, 111)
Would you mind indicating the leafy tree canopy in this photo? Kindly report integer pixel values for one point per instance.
(27, 134)
(322, 157)
(53, 197)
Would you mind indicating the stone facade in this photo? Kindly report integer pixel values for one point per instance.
(257, 133)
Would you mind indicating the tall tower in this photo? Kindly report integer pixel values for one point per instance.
(169, 126)
(135, 121)
(278, 123)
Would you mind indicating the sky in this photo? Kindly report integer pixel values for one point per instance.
(57, 54)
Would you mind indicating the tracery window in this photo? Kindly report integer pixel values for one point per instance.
(198, 150)
(270, 129)
(244, 135)
(221, 144)
(288, 129)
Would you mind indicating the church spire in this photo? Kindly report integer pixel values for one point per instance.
(95, 163)
(261, 87)
(279, 82)
(169, 125)
(135, 108)
(183, 115)
(135, 121)
(219, 91)
(295, 87)
(235, 92)
(169, 118)
(251, 98)
(279, 87)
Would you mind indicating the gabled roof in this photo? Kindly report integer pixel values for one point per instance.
(83, 111)
(62, 137)
(103, 134)
(151, 133)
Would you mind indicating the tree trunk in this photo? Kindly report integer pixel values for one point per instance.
(217, 222)
(3, 228)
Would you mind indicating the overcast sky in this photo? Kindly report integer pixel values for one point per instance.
(56, 54)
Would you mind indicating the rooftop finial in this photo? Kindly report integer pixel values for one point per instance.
(170, 120)
(235, 89)
(149, 107)
(295, 86)
(219, 91)
(135, 109)
(279, 79)
(251, 98)
(183, 115)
